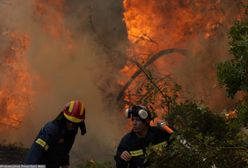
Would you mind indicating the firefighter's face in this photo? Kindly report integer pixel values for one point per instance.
(70, 126)
(138, 125)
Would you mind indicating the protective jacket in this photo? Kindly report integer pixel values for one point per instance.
(136, 146)
(52, 145)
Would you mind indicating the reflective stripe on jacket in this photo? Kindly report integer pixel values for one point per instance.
(141, 152)
(52, 146)
(137, 147)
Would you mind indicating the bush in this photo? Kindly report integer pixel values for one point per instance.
(203, 139)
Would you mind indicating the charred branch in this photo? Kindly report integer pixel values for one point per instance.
(167, 99)
(152, 59)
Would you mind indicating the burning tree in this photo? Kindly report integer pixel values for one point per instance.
(197, 26)
(207, 139)
(203, 138)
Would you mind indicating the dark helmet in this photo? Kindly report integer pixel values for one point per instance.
(139, 111)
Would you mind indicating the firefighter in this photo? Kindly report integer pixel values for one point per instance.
(54, 141)
(132, 147)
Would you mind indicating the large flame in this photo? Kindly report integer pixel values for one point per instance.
(170, 23)
(155, 25)
(15, 80)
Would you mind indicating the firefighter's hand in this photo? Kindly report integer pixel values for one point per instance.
(126, 156)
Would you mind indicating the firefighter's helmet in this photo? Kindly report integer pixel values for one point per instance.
(74, 111)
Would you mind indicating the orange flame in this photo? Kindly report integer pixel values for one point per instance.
(50, 14)
(155, 25)
(231, 115)
(15, 86)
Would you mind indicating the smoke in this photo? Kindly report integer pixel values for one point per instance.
(197, 73)
(73, 53)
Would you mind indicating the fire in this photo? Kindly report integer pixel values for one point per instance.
(15, 85)
(155, 25)
(171, 23)
(50, 14)
(231, 115)
(15, 79)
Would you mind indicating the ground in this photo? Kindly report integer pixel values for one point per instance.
(12, 154)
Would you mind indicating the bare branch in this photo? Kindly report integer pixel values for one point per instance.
(152, 59)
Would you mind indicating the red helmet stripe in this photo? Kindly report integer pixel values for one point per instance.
(76, 107)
